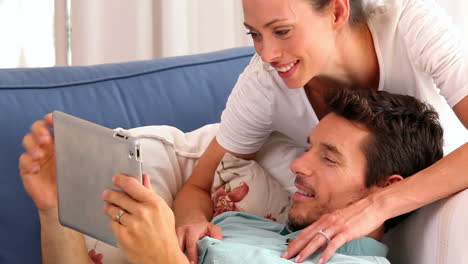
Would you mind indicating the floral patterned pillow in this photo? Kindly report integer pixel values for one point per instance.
(243, 185)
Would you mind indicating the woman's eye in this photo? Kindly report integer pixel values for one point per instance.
(254, 35)
(282, 32)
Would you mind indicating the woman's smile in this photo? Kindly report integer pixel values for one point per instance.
(286, 70)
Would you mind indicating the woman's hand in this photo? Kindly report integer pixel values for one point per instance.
(146, 231)
(193, 205)
(341, 226)
(37, 165)
(95, 257)
(188, 236)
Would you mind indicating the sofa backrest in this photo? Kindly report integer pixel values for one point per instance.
(186, 92)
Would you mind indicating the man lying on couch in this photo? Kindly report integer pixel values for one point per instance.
(369, 140)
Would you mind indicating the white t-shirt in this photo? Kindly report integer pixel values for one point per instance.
(419, 54)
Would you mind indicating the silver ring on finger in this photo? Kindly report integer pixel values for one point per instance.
(324, 235)
(119, 215)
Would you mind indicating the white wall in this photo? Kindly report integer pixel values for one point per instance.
(108, 31)
(200, 26)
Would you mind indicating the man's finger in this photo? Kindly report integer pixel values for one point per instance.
(112, 211)
(41, 132)
(120, 199)
(115, 226)
(133, 188)
(29, 143)
(27, 164)
(147, 181)
(120, 232)
(49, 120)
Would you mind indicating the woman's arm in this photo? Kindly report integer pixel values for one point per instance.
(193, 208)
(446, 177)
(193, 202)
(461, 109)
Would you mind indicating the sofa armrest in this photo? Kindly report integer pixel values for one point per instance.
(436, 233)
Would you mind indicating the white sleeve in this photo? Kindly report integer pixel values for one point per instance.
(436, 48)
(246, 121)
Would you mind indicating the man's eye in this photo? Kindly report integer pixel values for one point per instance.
(330, 161)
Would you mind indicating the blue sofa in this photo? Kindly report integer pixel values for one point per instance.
(186, 92)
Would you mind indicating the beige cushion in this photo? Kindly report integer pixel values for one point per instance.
(435, 234)
(243, 185)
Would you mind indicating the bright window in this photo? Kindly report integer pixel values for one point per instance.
(27, 33)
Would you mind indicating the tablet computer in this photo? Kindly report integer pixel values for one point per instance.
(87, 155)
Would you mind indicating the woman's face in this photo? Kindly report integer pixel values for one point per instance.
(292, 37)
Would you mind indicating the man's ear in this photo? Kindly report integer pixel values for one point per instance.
(392, 179)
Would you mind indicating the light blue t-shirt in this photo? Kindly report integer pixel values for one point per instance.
(252, 239)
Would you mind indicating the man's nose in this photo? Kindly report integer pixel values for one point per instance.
(269, 51)
(301, 166)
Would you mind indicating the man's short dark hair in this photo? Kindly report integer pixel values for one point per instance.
(405, 134)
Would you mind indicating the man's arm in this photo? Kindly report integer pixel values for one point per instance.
(60, 244)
